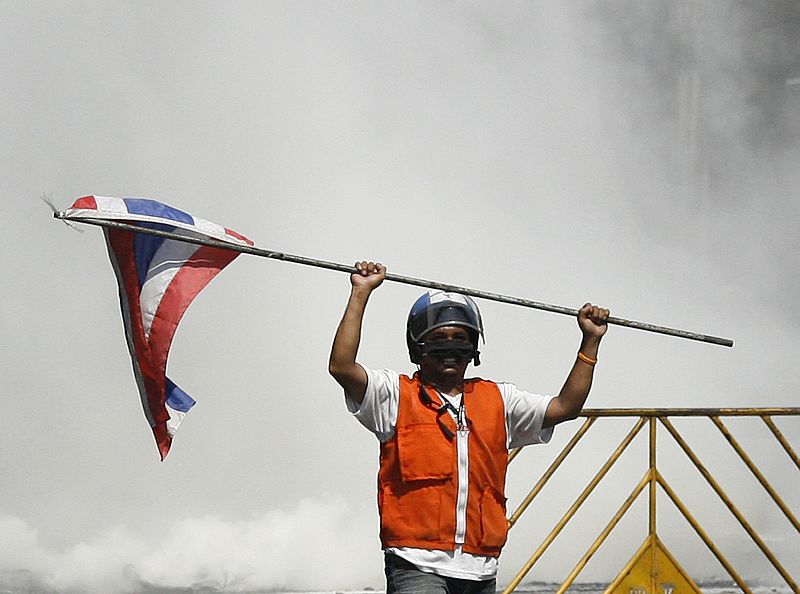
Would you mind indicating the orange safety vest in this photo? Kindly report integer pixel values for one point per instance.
(418, 476)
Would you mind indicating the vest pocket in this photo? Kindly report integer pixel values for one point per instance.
(424, 453)
(410, 513)
(494, 525)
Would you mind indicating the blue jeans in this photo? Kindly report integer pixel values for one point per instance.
(403, 577)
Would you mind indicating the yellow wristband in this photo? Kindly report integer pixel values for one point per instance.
(587, 360)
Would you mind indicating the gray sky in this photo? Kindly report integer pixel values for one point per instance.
(628, 153)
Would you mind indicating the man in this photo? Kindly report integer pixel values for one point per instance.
(445, 439)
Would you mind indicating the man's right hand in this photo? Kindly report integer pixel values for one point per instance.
(368, 275)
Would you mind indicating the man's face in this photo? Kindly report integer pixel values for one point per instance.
(440, 364)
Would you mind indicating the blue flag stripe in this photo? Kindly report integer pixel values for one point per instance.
(144, 206)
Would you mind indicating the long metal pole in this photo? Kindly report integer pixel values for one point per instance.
(408, 280)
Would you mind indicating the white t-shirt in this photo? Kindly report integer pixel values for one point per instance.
(525, 414)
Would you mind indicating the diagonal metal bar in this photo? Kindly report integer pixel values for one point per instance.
(702, 534)
(756, 472)
(513, 454)
(781, 439)
(549, 472)
(649, 475)
(574, 507)
(730, 505)
(408, 280)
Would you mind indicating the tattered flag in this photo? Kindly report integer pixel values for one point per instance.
(158, 279)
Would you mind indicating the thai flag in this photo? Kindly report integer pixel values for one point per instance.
(158, 279)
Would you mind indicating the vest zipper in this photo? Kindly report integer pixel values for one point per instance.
(462, 447)
(462, 454)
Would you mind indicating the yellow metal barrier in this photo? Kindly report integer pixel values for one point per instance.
(652, 569)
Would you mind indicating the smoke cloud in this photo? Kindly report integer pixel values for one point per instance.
(268, 552)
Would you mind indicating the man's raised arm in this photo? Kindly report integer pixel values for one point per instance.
(569, 402)
(342, 363)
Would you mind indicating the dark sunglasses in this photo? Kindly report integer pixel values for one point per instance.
(443, 348)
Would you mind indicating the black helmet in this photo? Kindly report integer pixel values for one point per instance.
(440, 308)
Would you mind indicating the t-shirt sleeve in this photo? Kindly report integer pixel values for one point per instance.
(378, 411)
(525, 414)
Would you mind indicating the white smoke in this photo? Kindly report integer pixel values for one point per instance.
(319, 541)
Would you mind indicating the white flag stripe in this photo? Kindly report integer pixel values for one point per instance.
(110, 205)
(166, 263)
(210, 228)
(175, 419)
